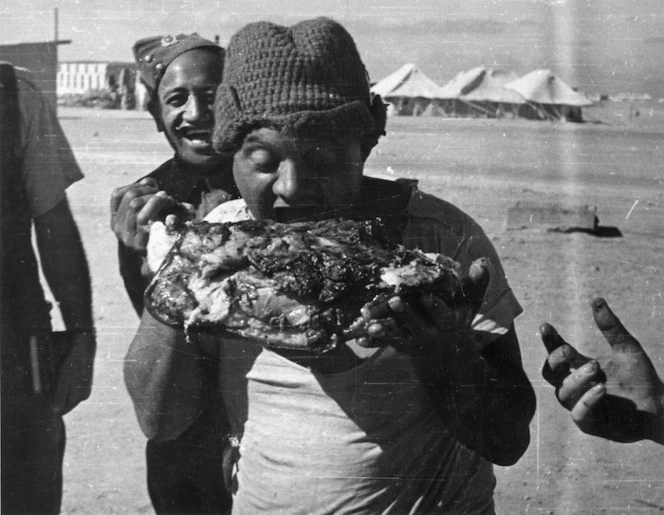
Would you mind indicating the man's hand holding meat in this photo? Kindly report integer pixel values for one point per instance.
(437, 335)
(427, 320)
(464, 381)
(135, 206)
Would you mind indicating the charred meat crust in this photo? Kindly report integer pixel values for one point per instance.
(300, 285)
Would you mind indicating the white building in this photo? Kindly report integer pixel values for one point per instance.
(85, 76)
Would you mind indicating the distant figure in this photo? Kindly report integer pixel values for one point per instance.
(112, 92)
(127, 98)
(44, 375)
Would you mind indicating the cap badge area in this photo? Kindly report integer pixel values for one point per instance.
(168, 40)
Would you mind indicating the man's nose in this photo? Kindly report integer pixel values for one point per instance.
(197, 110)
(296, 181)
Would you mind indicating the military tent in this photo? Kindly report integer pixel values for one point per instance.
(480, 92)
(549, 97)
(463, 83)
(408, 92)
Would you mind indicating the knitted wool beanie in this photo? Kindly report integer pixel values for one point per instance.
(307, 78)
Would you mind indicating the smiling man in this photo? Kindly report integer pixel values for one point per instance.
(181, 74)
(186, 91)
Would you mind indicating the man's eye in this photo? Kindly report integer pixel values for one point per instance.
(263, 160)
(176, 100)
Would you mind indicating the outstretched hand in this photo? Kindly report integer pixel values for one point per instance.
(618, 396)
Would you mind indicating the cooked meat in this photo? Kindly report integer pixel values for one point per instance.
(297, 286)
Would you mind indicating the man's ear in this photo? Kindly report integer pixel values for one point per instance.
(155, 110)
(378, 110)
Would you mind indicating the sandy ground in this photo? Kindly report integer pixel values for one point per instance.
(484, 167)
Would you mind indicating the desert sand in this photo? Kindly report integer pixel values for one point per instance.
(483, 166)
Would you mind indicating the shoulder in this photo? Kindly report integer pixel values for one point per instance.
(437, 210)
(25, 80)
(31, 99)
(439, 226)
(164, 174)
(435, 225)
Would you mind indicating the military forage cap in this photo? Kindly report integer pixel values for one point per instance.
(307, 77)
(154, 54)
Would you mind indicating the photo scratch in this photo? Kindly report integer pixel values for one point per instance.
(632, 208)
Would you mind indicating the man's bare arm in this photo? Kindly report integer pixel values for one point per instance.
(508, 401)
(65, 265)
(65, 268)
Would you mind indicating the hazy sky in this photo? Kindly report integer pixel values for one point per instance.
(597, 45)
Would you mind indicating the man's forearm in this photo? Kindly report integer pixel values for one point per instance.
(165, 377)
(487, 401)
(65, 266)
(505, 406)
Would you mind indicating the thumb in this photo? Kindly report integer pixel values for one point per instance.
(615, 333)
(474, 286)
(149, 181)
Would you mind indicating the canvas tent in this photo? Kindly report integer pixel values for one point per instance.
(463, 83)
(408, 91)
(480, 92)
(549, 97)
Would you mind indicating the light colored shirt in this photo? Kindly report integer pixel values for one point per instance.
(368, 440)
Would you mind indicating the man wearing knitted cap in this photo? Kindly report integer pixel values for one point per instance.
(181, 74)
(410, 426)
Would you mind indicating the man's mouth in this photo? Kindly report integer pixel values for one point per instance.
(303, 213)
(197, 137)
